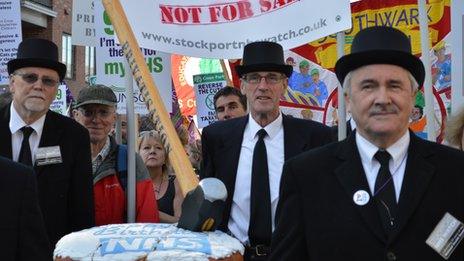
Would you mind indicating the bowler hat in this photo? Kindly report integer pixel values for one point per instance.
(380, 45)
(37, 53)
(98, 94)
(263, 56)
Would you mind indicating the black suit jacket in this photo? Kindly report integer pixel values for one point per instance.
(65, 189)
(317, 219)
(222, 141)
(23, 235)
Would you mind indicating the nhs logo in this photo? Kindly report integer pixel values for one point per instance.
(127, 244)
(196, 243)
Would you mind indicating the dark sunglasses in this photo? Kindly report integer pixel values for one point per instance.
(33, 77)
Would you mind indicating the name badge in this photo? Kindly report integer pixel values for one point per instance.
(48, 155)
(446, 236)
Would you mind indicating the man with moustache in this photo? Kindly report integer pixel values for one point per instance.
(383, 193)
(56, 146)
(247, 153)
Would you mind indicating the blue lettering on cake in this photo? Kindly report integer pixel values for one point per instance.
(127, 244)
(195, 243)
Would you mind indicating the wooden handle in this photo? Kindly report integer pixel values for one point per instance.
(184, 172)
(226, 73)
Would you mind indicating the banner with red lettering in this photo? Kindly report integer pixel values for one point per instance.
(221, 28)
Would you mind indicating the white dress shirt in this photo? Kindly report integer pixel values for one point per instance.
(397, 164)
(16, 123)
(352, 124)
(274, 141)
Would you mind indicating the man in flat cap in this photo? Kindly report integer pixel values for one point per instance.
(382, 193)
(56, 146)
(247, 153)
(96, 110)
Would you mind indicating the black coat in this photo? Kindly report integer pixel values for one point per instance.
(22, 229)
(65, 189)
(221, 145)
(317, 219)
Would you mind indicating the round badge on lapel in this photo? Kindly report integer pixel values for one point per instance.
(361, 197)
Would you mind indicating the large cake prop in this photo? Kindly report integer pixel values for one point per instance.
(143, 241)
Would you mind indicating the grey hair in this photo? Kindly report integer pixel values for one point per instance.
(347, 82)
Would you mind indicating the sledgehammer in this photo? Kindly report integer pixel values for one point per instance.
(203, 204)
(202, 207)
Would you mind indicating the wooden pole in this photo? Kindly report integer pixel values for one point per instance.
(226, 73)
(184, 172)
(429, 109)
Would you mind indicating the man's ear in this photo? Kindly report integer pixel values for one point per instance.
(347, 102)
(285, 84)
(75, 113)
(11, 84)
(242, 87)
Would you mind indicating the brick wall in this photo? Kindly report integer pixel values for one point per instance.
(55, 28)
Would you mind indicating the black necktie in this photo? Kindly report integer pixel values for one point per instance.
(260, 229)
(25, 152)
(385, 191)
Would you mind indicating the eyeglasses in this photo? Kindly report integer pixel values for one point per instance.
(101, 113)
(33, 77)
(255, 78)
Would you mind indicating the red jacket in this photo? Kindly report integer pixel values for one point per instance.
(110, 196)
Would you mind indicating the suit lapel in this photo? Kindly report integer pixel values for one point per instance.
(351, 176)
(294, 144)
(51, 135)
(417, 177)
(5, 134)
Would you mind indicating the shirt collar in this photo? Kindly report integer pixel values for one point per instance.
(104, 151)
(272, 128)
(397, 150)
(16, 122)
(352, 123)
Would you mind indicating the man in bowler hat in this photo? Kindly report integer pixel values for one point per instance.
(56, 146)
(380, 193)
(247, 153)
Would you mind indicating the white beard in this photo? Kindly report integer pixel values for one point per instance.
(35, 105)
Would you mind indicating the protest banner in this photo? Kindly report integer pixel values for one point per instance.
(321, 54)
(10, 35)
(220, 29)
(183, 69)
(83, 23)
(111, 71)
(403, 15)
(206, 86)
(59, 103)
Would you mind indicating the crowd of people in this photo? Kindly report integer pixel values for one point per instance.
(294, 191)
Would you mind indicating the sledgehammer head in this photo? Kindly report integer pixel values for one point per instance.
(202, 207)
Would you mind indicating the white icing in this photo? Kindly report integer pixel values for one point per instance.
(154, 241)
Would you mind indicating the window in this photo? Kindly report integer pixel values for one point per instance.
(89, 61)
(67, 55)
